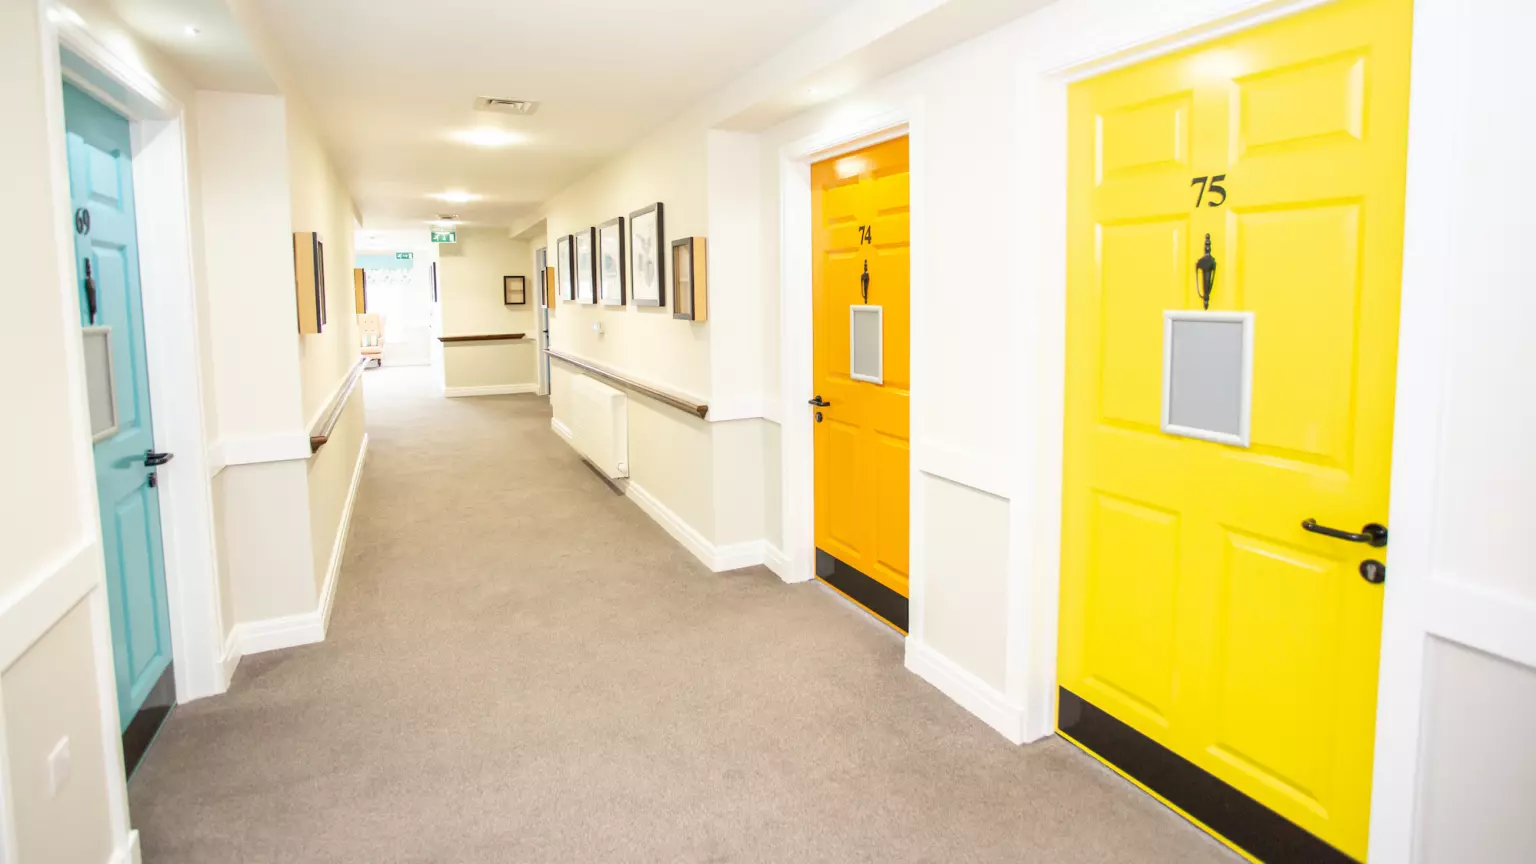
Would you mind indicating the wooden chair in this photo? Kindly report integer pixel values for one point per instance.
(370, 330)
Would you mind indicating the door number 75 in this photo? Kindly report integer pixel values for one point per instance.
(1214, 188)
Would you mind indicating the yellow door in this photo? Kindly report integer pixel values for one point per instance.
(861, 299)
(1210, 646)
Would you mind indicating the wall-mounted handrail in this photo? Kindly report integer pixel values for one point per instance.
(484, 337)
(695, 408)
(322, 431)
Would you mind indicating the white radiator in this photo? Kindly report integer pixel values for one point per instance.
(600, 425)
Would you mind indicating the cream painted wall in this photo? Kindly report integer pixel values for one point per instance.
(644, 342)
(966, 557)
(43, 703)
(268, 534)
(470, 289)
(330, 479)
(247, 219)
(320, 202)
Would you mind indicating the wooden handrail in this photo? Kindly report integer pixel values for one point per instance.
(697, 409)
(483, 337)
(322, 431)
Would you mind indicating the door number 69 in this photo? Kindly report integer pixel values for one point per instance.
(1214, 188)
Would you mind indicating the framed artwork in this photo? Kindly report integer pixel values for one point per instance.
(646, 242)
(540, 282)
(689, 277)
(514, 290)
(585, 252)
(610, 260)
(565, 267)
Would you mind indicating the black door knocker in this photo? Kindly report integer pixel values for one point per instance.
(864, 282)
(1207, 268)
(90, 292)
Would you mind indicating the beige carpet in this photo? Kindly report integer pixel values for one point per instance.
(522, 667)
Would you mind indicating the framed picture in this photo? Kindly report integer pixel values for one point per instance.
(610, 260)
(585, 252)
(689, 277)
(565, 267)
(514, 290)
(540, 282)
(646, 242)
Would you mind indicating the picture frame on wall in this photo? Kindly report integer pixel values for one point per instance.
(565, 267)
(690, 271)
(647, 251)
(610, 262)
(584, 249)
(514, 290)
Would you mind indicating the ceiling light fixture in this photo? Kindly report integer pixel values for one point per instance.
(456, 196)
(487, 136)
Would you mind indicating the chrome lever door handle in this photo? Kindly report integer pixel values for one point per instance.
(1372, 534)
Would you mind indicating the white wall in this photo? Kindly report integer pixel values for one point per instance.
(247, 219)
(470, 284)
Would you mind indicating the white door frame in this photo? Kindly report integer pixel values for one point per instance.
(162, 213)
(1039, 319)
(797, 476)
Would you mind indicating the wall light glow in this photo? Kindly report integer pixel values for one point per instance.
(456, 196)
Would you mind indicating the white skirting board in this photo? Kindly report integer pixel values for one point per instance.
(491, 390)
(254, 637)
(128, 852)
(972, 693)
(717, 558)
(560, 429)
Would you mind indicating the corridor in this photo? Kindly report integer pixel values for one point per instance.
(522, 666)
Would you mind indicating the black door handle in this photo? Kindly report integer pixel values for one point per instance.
(153, 459)
(817, 401)
(1372, 534)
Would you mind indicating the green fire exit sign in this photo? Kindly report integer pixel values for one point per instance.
(403, 256)
(446, 235)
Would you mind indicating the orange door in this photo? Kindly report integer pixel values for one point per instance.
(862, 307)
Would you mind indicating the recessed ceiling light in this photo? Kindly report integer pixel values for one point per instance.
(192, 30)
(487, 136)
(455, 196)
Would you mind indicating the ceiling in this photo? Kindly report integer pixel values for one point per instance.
(390, 81)
(217, 57)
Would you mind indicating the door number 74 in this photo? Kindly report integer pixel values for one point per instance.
(1214, 188)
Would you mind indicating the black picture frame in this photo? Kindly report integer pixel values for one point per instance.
(514, 290)
(638, 268)
(611, 286)
(565, 267)
(590, 235)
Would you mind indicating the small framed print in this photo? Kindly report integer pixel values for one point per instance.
(647, 245)
(610, 260)
(690, 274)
(866, 344)
(585, 252)
(1208, 375)
(514, 290)
(565, 267)
(100, 382)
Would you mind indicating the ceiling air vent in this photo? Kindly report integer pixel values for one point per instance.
(506, 106)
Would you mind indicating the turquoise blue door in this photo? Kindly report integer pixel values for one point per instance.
(107, 259)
